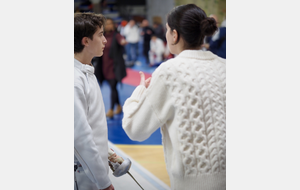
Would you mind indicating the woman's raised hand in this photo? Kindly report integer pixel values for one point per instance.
(143, 81)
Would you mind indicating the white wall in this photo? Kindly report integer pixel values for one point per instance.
(158, 8)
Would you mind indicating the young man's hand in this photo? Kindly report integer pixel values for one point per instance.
(111, 187)
(143, 81)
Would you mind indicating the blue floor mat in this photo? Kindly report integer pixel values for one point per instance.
(116, 134)
(143, 66)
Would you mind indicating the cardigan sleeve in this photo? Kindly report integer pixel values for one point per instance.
(84, 146)
(147, 109)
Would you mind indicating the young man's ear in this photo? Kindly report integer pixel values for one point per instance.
(85, 41)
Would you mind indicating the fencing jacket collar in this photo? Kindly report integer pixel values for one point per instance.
(86, 69)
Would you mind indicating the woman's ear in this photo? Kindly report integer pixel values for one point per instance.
(174, 36)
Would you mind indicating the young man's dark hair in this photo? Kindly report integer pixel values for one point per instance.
(85, 25)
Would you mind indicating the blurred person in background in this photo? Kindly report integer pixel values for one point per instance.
(90, 127)
(146, 33)
(111, 66)
(121, 27)
(217, 44)
(186, 97)
(131, 33)
(159, 31)
(157, 50)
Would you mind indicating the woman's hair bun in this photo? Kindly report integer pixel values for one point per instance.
(208, 26)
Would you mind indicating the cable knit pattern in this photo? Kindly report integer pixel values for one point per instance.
(201, 114)
(186, 97)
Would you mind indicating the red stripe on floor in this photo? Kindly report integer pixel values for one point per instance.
(133, 77)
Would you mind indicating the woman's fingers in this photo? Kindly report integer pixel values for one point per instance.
(143, 81)
(142, 78)
(147, 82)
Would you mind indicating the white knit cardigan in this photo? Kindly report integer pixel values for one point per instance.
(187, 99)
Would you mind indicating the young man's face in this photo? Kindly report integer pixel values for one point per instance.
(96, 46)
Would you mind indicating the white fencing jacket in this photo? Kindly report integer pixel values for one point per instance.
(90, 127)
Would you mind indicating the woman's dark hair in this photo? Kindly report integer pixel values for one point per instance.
(192, 24)
(85, 25)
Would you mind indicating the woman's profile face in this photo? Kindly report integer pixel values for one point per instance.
(169, 38)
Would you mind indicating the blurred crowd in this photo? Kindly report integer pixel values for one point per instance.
(150, 41)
